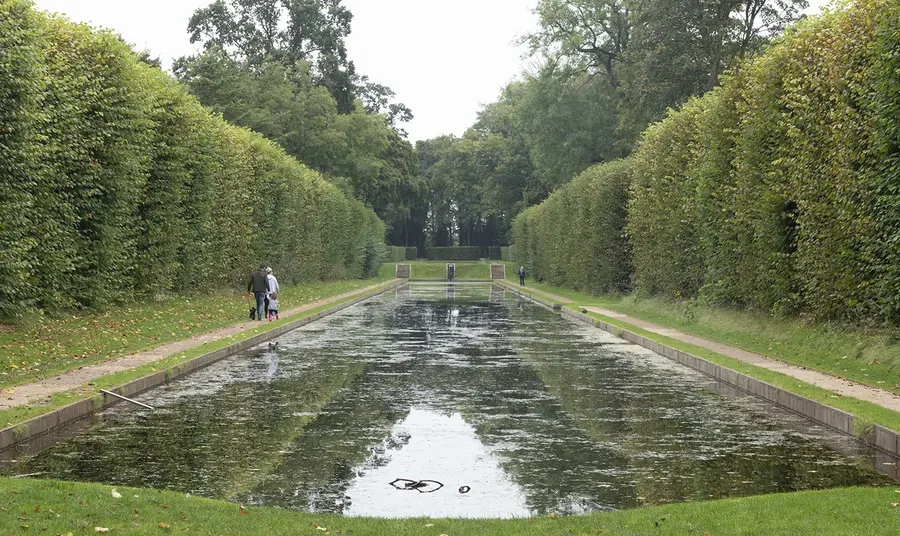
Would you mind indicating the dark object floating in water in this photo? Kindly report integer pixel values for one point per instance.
(464, 489)
(422, 486)
(273, 344)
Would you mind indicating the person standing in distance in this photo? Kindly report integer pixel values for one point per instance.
(522, 276)
(258, 285)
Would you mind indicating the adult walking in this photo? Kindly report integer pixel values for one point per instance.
(522, 276)
(259, 286)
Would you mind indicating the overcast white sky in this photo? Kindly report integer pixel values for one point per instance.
(444, 59)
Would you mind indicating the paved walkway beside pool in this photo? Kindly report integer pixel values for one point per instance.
(839, 386)
(39, 391)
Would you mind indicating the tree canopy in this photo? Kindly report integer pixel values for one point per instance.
(280, 68)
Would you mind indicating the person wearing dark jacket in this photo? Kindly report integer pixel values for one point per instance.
(259, 286)
(522, 275)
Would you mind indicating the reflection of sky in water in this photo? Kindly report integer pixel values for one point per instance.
(467, 386)
(427, 445)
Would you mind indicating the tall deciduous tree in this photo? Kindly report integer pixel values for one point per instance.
(586, 35)
(679, 49)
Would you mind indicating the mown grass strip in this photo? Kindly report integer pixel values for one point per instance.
(45, 345)
(19, 414)
(52, 507)
(437, 270)
(866, 411)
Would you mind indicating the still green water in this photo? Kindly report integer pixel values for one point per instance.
(499, 407)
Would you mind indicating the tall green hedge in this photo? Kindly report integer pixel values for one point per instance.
(395, 254)
(115, 183)
(21, 84)
(454, 253)
(576, 238)
(778, 191)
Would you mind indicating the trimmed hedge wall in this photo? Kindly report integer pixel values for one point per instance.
(779, 191)
(395, 254)
(576, 237)
(494, 253)
(454, 253)
(115, 183)
(400, 254)
(507, 253)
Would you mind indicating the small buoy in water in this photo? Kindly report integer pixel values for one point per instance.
(464, 489)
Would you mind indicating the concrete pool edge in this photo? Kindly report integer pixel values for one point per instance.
(42, 424)
(881, 438)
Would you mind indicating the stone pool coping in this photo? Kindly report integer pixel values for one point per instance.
(881, 438)
(27, 430)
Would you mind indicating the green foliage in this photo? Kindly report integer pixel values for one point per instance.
(494, 253)
(662, 230)
(576, 237)
(777, 191)
(395, 254)
(286, 103)
(885, 105)
(586, 35)
(131, 188)
(21, 84)
(569, 123)
(412, 253)
(679, 48)
(453, 253)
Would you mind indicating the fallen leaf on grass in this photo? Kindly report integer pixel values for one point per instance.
(101, 529)
(163, 525)
(553, 516)
(116, 494)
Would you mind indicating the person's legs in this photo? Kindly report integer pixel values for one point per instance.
(260, 299)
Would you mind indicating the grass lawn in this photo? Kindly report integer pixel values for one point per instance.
(43, 345)
(19, 414)
(437, 270)
(50, 507)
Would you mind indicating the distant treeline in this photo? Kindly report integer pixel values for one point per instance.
(778, 191)
(115, 183)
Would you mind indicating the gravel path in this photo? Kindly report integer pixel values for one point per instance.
(38, 392)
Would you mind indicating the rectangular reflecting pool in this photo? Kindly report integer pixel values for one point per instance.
(450, 401)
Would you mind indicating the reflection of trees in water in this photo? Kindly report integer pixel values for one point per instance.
(538, 395)
(320, 466)
(538, 445)
(681, 442)
(210, 445)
